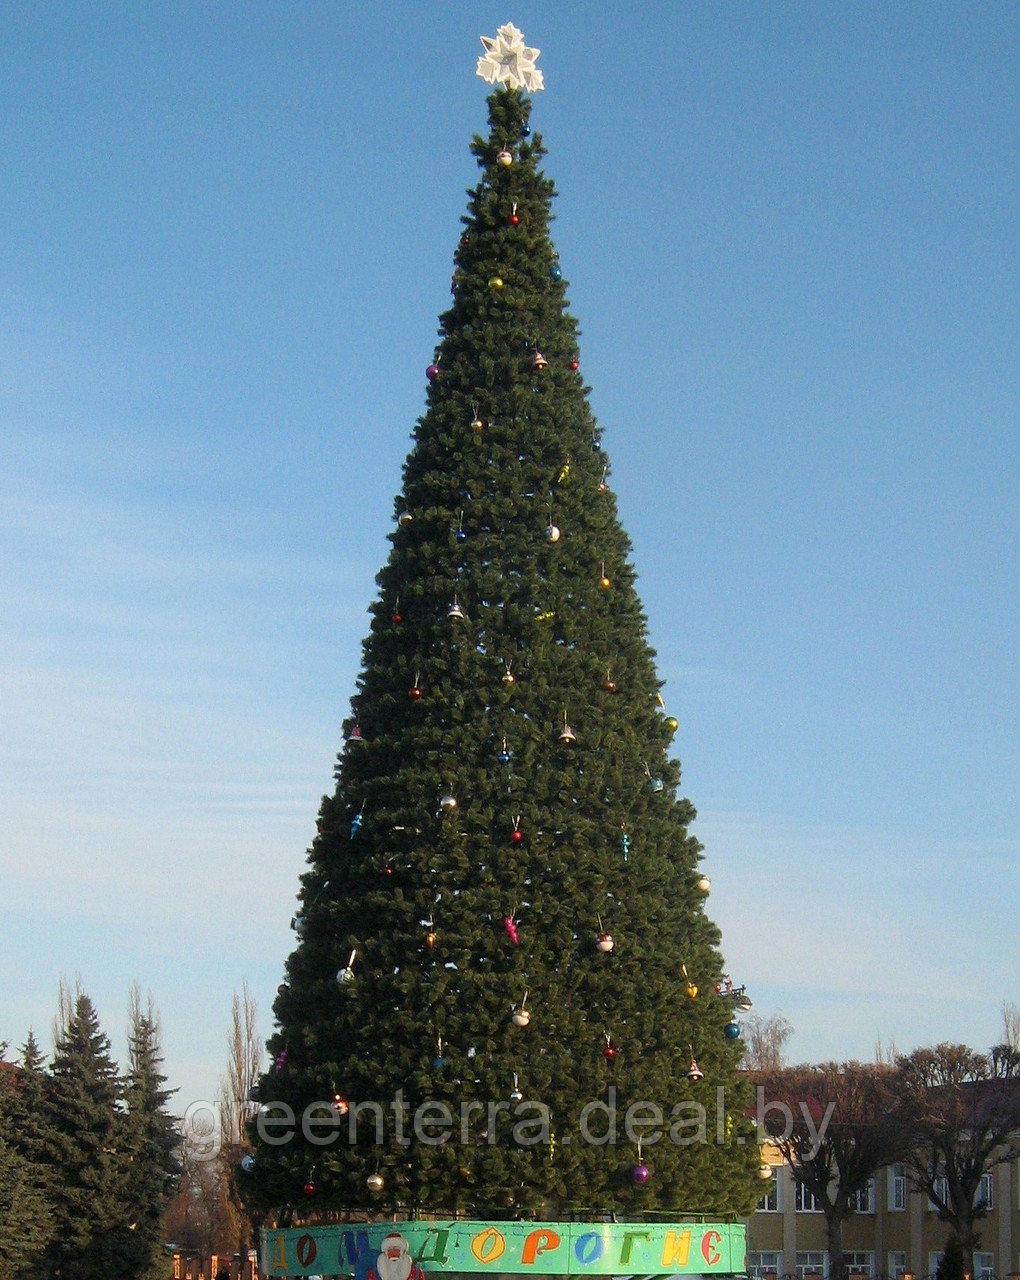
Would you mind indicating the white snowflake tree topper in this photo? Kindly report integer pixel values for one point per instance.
(508, 60)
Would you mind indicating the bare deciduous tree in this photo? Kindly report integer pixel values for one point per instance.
(836, 1126)
(765, 1038)
(961, 1113)
(244, 1062)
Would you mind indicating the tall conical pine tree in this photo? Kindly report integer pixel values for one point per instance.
(506, 843)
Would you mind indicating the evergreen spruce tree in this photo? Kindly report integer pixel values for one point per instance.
(148, 1148)
(26, 1175)
(83, 1125)
(506, 842)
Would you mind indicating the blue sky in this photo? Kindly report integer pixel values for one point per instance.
(791, 236)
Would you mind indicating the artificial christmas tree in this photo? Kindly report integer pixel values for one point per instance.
(503, 970)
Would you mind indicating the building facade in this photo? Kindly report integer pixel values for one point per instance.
(894, 1232)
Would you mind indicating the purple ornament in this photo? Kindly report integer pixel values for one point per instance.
(641, 1173)
(432, 372)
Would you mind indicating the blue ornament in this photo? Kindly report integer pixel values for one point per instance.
(732, 1030)
(656, 784)
(504, 757)
(438, 1062)
(555, 271)
(355, 825)
(460, 535)
(525, 130)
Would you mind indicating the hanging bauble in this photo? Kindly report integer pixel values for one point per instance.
(438, 1062)
(605, 582)
(603, 486)
(355, 825)
(609, 684)
(510, 925)
(430, 939)
(398, 618)
(732, 1030)
(516, 1095)
(539, 361)
(516, 836)
(309, 1188)
(514, 219)
(604, 941)
(703, 884)
(505, 158)
(625, 845)
(505, 755)
(432, 372)
(496, 282)
(355, 737)
(281, 1057)
(672, 724)
(691, 990)
(695, 1073)
(459, 534)
(552, 534)
(477, 424)
(455, 612)
(609, 1049)
(640, 1173)
(508, 675)
(414, 693)
(404, 518)
(375, 1183)
(520, 1017)
(575, 365)
(346, 975)
(567, 735)
(555, 271)
(447, 802)
(655, 784)
(764, 1171)
(247, 1163)
(341, 1104)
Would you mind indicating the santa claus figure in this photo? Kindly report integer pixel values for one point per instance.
(394, 1262)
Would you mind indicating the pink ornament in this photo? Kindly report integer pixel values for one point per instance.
(510, 925)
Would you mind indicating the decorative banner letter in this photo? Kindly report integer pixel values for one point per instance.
(708, 1247)
(306, 1250)
(675, 1249)
(588, 1248)
(538, 1242)
(489, 1245)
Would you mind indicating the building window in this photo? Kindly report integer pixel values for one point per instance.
(805, 1202)
(864, 1200)
(897, 1186)
(772, 1200)
(984, 1266)
(764, 1266)
(983, 1198)
(812, 1264)
(941, 1189)
(860, 1264)
(897, 1263)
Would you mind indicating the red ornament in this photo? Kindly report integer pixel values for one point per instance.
(609, 1052)
(309, 1188)
(414, 693)
(517, 835)
(514, 220)
(398, 618)
(575, 365)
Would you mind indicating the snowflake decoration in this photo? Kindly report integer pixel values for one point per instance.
(508, 60)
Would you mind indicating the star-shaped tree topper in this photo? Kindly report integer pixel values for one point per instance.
(508, 60)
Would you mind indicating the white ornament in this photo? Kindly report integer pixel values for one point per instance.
(508, 60)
